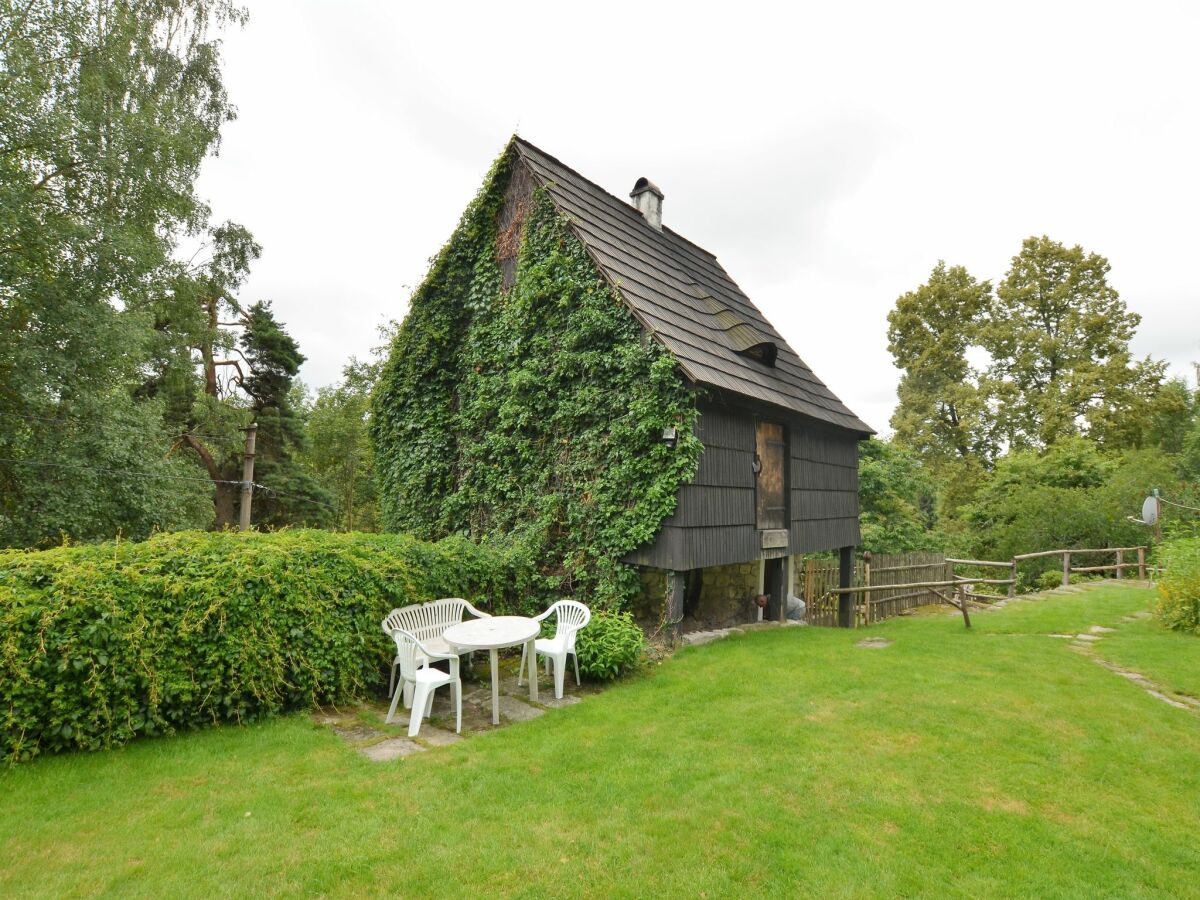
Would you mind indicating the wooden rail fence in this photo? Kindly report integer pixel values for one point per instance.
(886, 586)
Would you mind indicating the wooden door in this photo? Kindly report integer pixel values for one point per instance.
(770, 493)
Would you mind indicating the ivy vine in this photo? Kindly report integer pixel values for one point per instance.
(531, 415)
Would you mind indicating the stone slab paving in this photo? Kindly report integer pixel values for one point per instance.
(432, 736)
(391, 748)
(567, 700)
(700, 638)
(516, 710)
(363, 727)
(355, 732)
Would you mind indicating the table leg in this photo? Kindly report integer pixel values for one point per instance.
(533, 673)
(492, 654)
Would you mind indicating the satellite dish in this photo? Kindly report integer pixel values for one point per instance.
(1150, 511)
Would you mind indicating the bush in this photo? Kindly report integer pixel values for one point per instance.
(100, 644)
(1179, 585)
(610, 644)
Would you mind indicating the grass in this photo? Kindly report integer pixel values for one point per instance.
(995, 762)
(1167, 657)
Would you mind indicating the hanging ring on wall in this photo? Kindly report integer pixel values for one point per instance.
(756, 466)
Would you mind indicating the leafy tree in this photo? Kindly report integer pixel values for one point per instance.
(1058, 335)
(1072, 495)
(339, 452)
(292, 496)
(197, 367)
(106, 112)
(1170, 416)
(897, 499)
(943, 413)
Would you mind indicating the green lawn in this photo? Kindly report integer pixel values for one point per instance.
(1167, 657)
(994, 762)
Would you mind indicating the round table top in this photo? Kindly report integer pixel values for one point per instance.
(491, 633)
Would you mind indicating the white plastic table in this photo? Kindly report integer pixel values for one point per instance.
(492, 634)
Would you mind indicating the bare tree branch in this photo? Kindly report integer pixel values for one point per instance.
(61, 170)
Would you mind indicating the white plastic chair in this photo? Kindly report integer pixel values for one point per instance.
(572, 616)
(414, 658)
(426, 622)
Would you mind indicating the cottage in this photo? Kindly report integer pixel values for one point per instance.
(777, 476)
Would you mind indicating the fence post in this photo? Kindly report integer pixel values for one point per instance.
(866, 596)
(1120, 557)
(1012, 585)
(1066, 567)
(845, 579)
(1141, 563)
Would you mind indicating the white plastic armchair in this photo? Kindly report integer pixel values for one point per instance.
(414, 658)
(427, 622)
(571, 616)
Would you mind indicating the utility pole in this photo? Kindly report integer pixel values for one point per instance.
(1157, 516)
(248, 477)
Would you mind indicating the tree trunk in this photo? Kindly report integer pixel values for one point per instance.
(226, 503)
(206, 349)
(225, 497)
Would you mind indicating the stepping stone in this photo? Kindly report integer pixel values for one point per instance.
(873, 643)
(552, 703)
(393, 748)
(1100, 629)
(517, 710)
(699, 638)
(1165, 699)
(1089, 638)
(356, 731)
(479, 695)
(1061, 635)
(1142, 615)
(437, 737)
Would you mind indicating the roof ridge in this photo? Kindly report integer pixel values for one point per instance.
(683, 297)
(517, 139)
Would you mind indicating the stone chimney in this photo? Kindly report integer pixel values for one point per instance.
(648, 199)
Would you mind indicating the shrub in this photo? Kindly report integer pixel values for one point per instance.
(100, 644)
(1048, 581)
(610, 644)
(1179, 585)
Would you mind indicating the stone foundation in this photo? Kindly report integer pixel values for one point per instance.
(726, 597)
(650, 604)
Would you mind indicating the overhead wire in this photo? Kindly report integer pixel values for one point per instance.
(135, 429)
(125, 472)
(271, 492)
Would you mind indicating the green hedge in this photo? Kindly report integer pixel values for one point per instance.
(1179, 585)
(102, 643)
(610, 645)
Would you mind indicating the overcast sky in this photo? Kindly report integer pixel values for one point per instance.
(829, 155)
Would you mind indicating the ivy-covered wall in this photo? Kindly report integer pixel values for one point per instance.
(523, 404)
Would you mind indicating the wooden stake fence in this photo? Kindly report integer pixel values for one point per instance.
(884, 592)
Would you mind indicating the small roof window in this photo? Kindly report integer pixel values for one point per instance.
(741, 337)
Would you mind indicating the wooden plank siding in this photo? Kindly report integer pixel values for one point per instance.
(715, 519)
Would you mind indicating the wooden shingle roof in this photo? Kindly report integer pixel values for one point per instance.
(682, 296)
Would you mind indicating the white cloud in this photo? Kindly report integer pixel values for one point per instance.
(829, 154)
